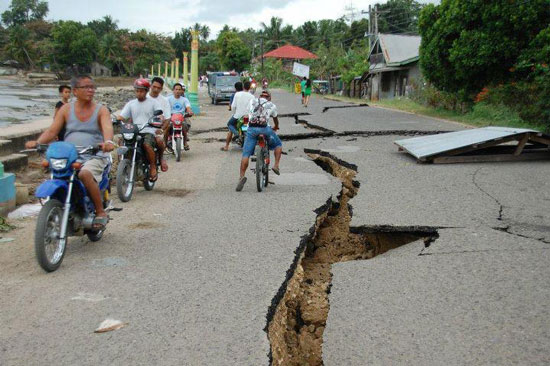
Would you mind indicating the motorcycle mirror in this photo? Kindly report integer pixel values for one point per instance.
(158, 112)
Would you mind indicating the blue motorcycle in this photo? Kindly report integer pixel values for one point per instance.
(67, 210)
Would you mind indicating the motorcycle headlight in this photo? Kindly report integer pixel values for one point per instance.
(128, 136)
(58, 164)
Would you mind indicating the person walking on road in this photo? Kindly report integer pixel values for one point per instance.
(259, 111)
(307, 92)
(240, 107)
(303, 88)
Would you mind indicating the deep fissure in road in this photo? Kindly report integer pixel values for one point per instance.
(298, 314)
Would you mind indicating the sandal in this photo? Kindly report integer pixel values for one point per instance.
(223, 148)
(241, 184)
(153, 178)
(276, 171)
(100, 222)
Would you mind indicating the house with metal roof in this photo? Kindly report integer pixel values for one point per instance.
(393, 65)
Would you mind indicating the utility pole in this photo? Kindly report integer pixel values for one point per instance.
(262, 50)
(376, 20)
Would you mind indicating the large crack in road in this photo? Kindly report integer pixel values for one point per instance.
(297, 317)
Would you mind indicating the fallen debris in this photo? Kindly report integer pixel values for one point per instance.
(109, 325)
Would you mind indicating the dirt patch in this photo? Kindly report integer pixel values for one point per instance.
(172, 192)
(297, 318)
(145, 225)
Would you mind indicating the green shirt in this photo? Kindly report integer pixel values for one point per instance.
(303, 85)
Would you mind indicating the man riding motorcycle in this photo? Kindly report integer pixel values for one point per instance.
(139, 111)
(86, 123)
(260, 110)
(180, 104)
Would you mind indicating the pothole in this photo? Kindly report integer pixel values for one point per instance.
(299, 311)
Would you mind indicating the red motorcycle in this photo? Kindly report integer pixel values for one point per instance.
(179, 126)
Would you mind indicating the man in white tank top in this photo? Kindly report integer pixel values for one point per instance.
(84, 109)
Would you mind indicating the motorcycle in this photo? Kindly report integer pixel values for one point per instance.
(176, 138)
(242, 127)
(253, 87)
(133, 162)
(67, 209)
(264, 85)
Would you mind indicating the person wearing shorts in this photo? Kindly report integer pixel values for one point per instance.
(86, 123)
(260, 110)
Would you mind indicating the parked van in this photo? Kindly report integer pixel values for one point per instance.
(221, 85)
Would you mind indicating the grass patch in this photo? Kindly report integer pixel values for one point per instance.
(481, 115)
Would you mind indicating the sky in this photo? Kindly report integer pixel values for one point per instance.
(169, 16)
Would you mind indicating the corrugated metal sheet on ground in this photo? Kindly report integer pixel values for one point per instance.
(427, 146)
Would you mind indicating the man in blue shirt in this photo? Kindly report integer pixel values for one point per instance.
(180, 104)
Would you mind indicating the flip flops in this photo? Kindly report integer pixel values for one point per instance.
(100, 222)
(276, 171)
(163, 166)
(241, 184)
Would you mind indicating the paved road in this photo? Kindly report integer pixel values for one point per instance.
(193, 266)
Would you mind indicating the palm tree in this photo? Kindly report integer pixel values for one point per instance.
(19, 45)
(273, 32)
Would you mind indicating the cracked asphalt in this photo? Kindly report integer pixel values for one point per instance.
(194, 275)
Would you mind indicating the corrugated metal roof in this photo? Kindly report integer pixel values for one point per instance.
(399, 49)
(424, 147)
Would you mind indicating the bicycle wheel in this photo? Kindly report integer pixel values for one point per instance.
(260, 171)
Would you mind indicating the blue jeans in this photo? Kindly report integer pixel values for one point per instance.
(273, 141)
(232, 125)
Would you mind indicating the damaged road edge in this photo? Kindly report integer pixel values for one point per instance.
(298, 313)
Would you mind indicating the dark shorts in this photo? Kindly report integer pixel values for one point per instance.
(150, 140)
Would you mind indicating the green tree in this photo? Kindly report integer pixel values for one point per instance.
(23, 11)
(209, 62)
(273, 33)
(19, 45)
(103, 26)
(467, 45)
(233, 52)
(399, 16)
(74, 43)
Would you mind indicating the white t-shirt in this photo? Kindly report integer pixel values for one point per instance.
(240, 103)
(260, 110)
(164, 103)
(141, 112)
(178, 105)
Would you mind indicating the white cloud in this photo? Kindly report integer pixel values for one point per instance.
(169, 16)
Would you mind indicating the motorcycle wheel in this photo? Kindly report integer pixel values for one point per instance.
(124, 188)
(241, 140)
(147, 184)
(169, 148)
(260, 161)
(49, 249)
(178, 148)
